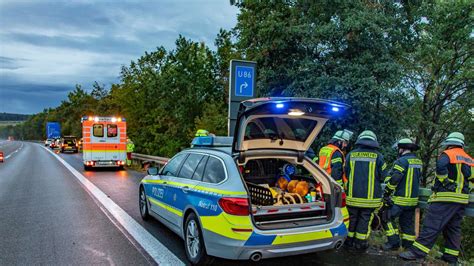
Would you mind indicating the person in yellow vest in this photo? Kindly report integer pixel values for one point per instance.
(130, 148)
(201, 133)
(447, 203)
(331, 159)
(331, 156)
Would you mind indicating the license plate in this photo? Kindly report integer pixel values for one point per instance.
(104, 163)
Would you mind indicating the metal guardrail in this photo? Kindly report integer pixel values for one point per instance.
(149, 158)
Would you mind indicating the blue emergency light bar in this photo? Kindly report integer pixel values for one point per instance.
(210, 141)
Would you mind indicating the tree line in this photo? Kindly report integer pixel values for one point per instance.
(405, 67)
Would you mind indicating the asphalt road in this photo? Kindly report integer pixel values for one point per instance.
(47, 217)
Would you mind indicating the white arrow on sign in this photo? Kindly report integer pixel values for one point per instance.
(243, 86)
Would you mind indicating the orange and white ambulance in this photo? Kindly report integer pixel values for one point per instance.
(104, 141)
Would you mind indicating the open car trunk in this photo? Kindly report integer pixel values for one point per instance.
(271, 133)
(284, 194)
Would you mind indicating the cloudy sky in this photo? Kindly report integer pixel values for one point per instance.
(46, 47)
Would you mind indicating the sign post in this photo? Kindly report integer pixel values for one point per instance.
(241, 88)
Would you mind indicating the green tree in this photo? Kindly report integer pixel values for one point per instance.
(345, 51)
(439, 74)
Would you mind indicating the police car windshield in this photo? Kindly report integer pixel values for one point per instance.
(279, 128)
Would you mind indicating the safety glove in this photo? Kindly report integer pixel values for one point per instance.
(449, 185)
(387, 198)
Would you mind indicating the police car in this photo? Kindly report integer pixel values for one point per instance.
(255, 195)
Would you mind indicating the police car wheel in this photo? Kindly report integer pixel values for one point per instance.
(143, 204)
(194, 242)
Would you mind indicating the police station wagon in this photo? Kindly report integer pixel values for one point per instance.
(255, 195)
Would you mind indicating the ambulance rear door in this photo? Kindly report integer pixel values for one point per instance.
(112, 151)
(98, 145)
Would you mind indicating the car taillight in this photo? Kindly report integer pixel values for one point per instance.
(343, 201)
(235, 206)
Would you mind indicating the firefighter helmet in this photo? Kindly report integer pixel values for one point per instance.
(454, 139)
(368, 138)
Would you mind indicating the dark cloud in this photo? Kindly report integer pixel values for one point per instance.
(46, 47)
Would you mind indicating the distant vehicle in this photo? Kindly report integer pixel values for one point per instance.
(11, 138)
(54, 144)
(104, 141)
(53, 130)
(68, 143)
(255, 195)
(48, 142)
(1, 156)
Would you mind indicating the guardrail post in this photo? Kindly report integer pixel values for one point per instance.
(417, 222)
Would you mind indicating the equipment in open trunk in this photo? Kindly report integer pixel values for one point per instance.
(282, 193)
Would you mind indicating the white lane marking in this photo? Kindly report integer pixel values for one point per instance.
(160, 253)
(17, 150)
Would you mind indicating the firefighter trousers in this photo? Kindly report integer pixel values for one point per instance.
(445, 217)
(406, 221)
(360, 220)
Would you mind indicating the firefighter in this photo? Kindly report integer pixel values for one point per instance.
(401, 195)
(366, 170)
(447, 203)
(130, 148)
(331, 156)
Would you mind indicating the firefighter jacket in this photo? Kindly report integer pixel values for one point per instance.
(331, 160)
(404, 179)
(453, 173)
(366, 171)
(130, 146)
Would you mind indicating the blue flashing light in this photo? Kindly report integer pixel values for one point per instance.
(280, 105)
(211, 141)
(335, 109)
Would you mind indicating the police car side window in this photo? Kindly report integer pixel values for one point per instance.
(214, 172)
(200, 169)
(172, 167)
(190, 165)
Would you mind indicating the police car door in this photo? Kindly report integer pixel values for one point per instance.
(182, 194)
(160, 190)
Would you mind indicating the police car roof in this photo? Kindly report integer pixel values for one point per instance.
(212, 150)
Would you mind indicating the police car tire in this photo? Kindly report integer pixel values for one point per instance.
(86, 168)
(202, 258)
(144, 214)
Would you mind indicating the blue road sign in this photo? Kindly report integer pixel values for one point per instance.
(244, 81)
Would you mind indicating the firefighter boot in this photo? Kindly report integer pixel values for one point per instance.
(388, 246)
(349, 243)
(361, 245)
(408, 255)
(450, 260)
